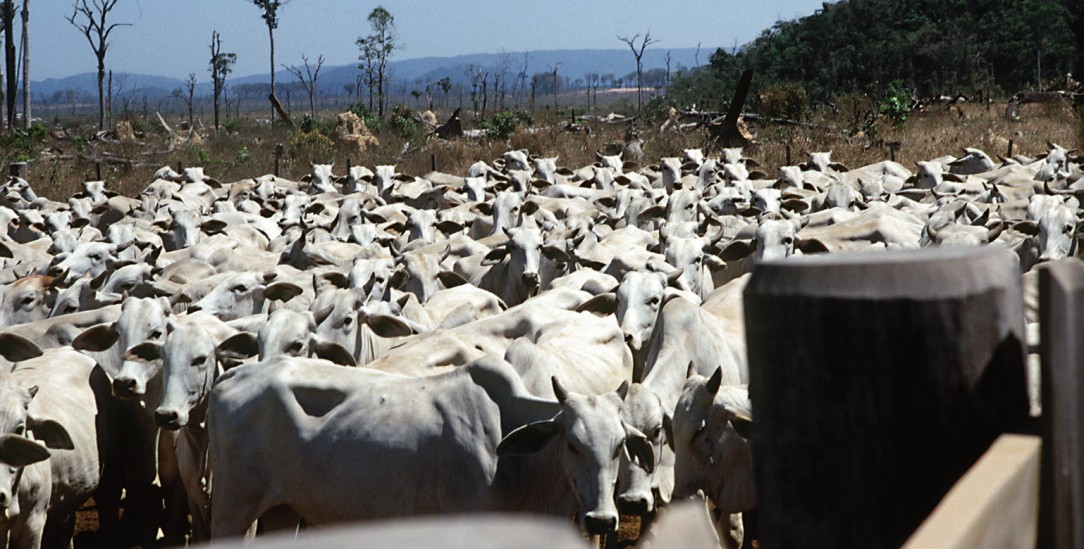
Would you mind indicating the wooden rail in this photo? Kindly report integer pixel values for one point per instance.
(995, 505)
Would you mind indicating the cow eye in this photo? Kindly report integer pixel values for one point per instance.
(28, 300)
(700, 430)
(348, 321)
(656, 432)
(199, 360)
(617, 452)
(238, 288)
(294, 348)
(20, 429)
(653, 301)
(156, 334)
(788, 240)
(1068, 229)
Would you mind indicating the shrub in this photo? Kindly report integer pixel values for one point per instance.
(363, 112)
(313, 147)
(783, 101)
(402, 122)
(895, 103)
(504, 123)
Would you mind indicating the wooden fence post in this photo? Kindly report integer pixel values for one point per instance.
(18, 169)
(877, 381)
(1061, 308)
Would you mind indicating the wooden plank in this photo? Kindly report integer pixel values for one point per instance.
(1061, 313)
(878, 380)
(994, 505)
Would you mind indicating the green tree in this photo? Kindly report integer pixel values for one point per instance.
(375, 51)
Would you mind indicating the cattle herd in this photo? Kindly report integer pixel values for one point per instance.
(271, 353)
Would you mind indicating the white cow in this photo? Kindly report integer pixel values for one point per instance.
(509, 451)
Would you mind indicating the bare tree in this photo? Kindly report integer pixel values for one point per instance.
(521, 78)
(188, 95)
(9, 60)
(308, 80)
(97, 30)
(638, 52)
(500, 84)
(667, 67)
(556, 83)
(221, 65)
(270, 16)
(26, 64)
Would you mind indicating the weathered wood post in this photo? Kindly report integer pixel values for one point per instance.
(877, 380)
(1061, 311)
(18, 169)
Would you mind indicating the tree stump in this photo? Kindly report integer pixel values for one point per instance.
(876, 381)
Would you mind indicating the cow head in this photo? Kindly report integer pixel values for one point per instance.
(590, 439)
(17, 449)
(637, 487)
(709, 436)
(244, 294)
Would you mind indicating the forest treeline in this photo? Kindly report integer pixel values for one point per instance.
(916, 47)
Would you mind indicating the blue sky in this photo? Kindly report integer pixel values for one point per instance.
(171, 37)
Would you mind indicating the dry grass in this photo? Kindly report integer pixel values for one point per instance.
(248, 150)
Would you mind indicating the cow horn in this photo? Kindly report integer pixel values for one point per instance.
(932, 232)
(993, 232)
(559, 391)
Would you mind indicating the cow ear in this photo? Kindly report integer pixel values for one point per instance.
(50, 433)
(451, 279)
(389, 326)
(337, 279)
(19, 451)
(743, 426)
(559, 391)
(282, 291)
(15, 348)
(555, 253)
(332, 352)
(529, 438)
(623, 390)
(144, 352)
(639, 449)
(236, 348)
(1029, 228)
(713, 263)
(602, 304)
(812, 246)
(495, 256)
(715, 381)
(668, 429)
(737, 250)
(97, 339)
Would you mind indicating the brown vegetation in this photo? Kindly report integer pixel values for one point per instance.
(66, 157)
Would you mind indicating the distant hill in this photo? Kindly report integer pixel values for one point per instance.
(573, 64)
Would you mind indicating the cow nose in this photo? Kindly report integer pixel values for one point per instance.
(598, 523)
(124, 387)
(168, 419)
(530, 279)
(632, 505)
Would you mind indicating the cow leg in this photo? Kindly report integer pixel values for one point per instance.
(175, 527)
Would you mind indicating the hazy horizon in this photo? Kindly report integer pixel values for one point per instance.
(172, 39)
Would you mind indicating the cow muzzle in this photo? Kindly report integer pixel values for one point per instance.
(126, 388)
(170, 419)
(599, 523)
(633, 504)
